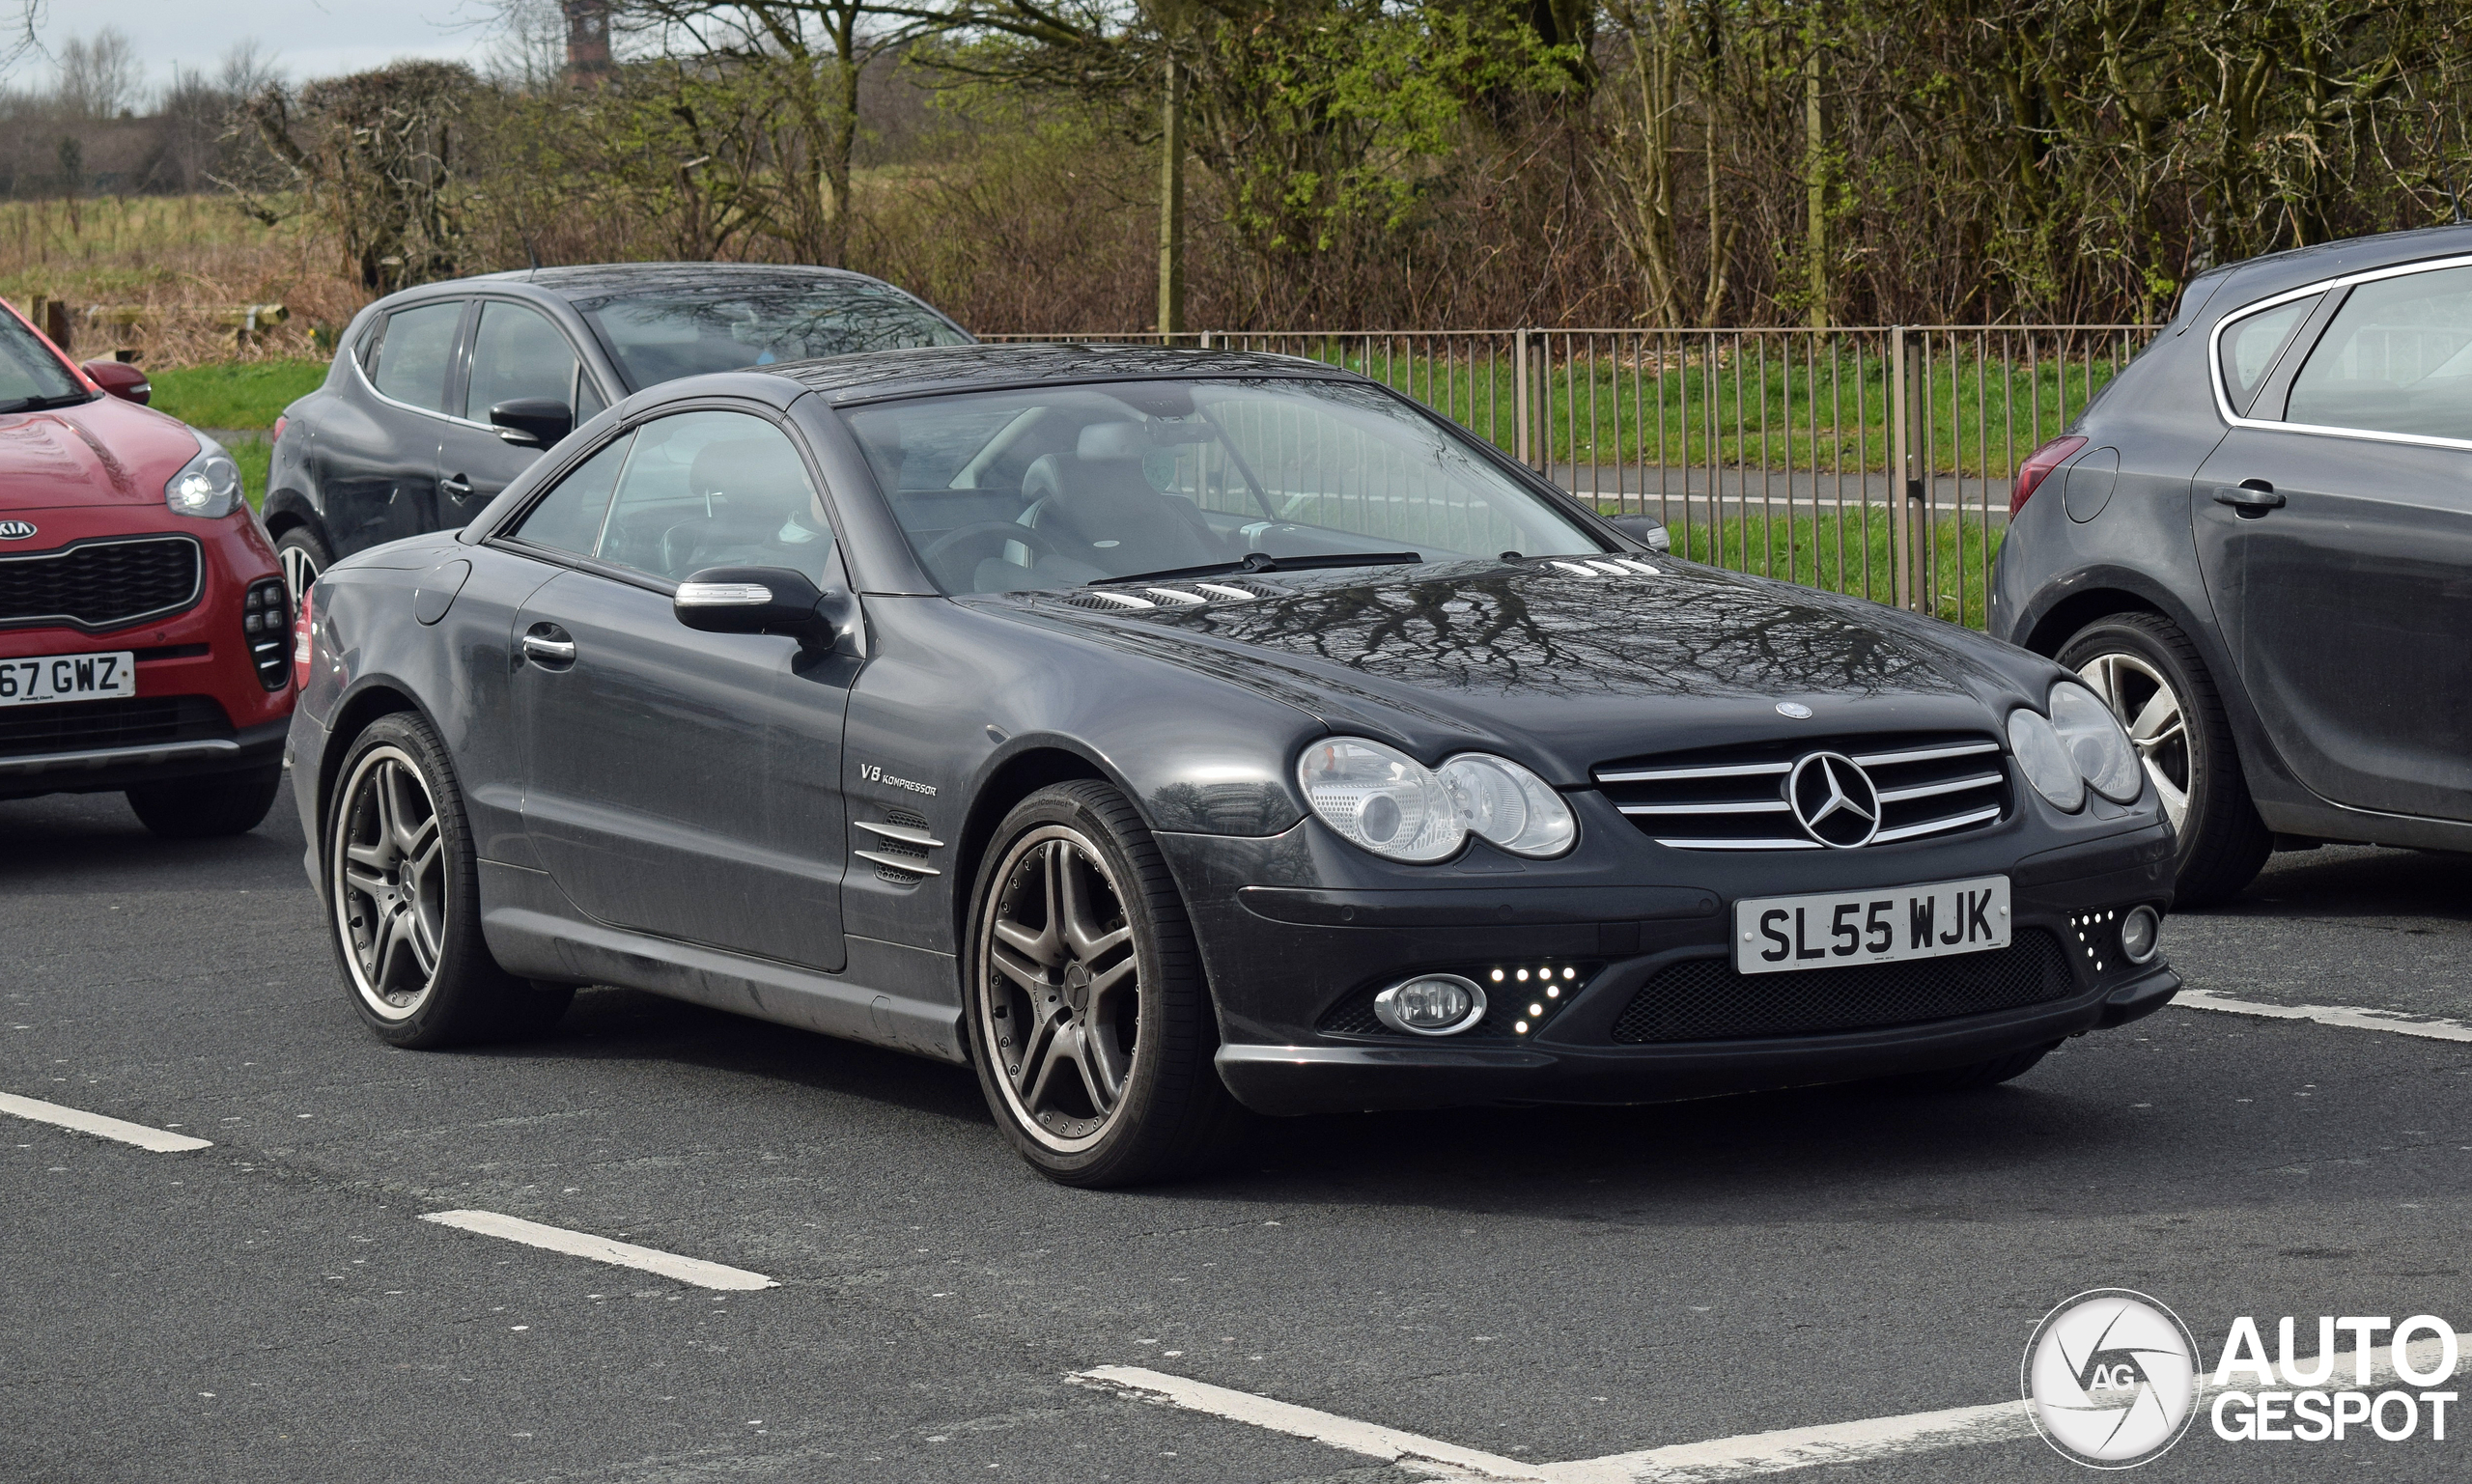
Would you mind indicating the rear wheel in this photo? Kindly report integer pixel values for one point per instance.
(202, 808)
(2146, 670)
(303, 556)
(403, 899)
(1091, 1024)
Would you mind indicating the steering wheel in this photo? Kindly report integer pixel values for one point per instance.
(982, 530)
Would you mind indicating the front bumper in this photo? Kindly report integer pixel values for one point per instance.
(111, 770)
(1285, 961)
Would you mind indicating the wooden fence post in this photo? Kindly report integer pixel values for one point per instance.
(1905, 456)
(1523, 399)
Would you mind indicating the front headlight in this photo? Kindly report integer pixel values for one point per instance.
(207, 486)
(1388, 802)
(2045, 759)
(2095, 742)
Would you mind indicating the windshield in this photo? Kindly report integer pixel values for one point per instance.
(1053, 487)
(30, 375)
(662, 337)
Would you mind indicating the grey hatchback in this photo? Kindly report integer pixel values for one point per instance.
(441, 394)
(2257, 546)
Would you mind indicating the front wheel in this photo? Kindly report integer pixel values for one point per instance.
(1090, 1022)
(403, 899)
(2146, 670)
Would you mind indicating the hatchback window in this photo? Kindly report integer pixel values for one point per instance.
(2397, 358)
(515, 353)
(679, 333)
(2249, 348)
(415, 351)
(689, 491)
(1054, 487)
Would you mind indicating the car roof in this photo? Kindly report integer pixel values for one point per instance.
(591, 280)
(875, 375)
(2295, 267)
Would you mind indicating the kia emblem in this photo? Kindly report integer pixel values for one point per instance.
(16, 530)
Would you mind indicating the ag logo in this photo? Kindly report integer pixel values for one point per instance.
(2111, 1378)
(16, 530)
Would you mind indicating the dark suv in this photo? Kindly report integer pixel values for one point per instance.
(2257, 545)
(441, 394)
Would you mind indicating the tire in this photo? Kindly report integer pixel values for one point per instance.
(208, 807)
(303, 556)
(1077, 930)
(1976, 1075)
(2129, 659)
(403, 899)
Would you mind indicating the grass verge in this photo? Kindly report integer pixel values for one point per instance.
(238, 394)
(1837, 554)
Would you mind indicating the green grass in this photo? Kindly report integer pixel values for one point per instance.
(1751, 407)
(253, 456)
(243, 394)
(1828, 553)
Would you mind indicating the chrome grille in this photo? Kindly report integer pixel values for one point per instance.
(1735, 798)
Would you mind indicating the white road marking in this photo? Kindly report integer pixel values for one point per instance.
(601, 1249)
(2350, 1017)
(1683, 1463)
(144, 1138)
(1371, 1439)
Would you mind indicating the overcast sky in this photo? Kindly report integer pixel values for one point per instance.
(307, 38)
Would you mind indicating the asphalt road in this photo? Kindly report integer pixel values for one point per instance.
(1540, 1285)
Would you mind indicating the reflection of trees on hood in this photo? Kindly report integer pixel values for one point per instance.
(1493, 627)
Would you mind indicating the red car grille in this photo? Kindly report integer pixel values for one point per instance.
(97, 585)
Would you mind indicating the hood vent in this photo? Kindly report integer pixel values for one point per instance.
(1170, 595)
(1599, 567)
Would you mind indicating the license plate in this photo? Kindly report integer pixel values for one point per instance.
(42, 677)
(1889, 925)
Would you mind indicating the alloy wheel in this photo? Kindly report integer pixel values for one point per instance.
(389, 882)
(299, 570)
(2156, 720)
(1059, 986)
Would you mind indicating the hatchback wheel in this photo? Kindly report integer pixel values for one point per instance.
(403, 899)
(303, 556)
(1091, 1024)
(2150, 674)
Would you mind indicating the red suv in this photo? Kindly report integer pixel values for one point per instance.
(144, 624)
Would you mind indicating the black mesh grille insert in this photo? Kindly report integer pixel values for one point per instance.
(99, 584)
(86, 726)
(1704, 1000)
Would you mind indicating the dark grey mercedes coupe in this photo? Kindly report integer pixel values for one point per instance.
(1163, 733)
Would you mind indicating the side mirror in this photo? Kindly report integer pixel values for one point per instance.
(533, 422)
(763, 600)
(1648, 530)
(120, 380)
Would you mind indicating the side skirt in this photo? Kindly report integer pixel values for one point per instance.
(888, 995)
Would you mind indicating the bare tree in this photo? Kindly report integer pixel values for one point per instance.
(101, 77)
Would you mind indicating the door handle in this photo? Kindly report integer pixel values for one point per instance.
(541, 649)
(456, 484)
(2250, 500)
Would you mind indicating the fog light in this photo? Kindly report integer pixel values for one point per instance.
(2141, 934)
(1430, 1005)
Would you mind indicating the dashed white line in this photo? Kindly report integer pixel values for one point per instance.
(159, 1140)
(1369, 1439)
(2350, 1018)
(601, 1249)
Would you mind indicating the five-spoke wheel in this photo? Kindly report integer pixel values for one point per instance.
(2150, 675)
(1090, 1022)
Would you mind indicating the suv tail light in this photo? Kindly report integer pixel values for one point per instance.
(300, 641)
(280, 419)
(2037, 467)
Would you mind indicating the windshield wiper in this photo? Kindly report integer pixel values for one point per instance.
(1262, 561)
(46, 404)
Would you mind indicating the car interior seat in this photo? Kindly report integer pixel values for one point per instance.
(756, 509)
(1098, 507)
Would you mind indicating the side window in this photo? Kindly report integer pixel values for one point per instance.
(413, 356)
(515, 352)
(2249, 348)
(589, 403)
(716, 489)
(571, 516)
(2397, 358)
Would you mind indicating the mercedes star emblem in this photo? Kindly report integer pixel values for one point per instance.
(1835, 800)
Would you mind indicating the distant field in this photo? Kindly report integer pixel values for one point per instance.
(243, 394)
(253, 456)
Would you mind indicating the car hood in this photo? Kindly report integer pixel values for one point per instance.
(104, 452)
(1569, 671)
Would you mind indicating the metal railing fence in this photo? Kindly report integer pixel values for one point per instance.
(1873, 461)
